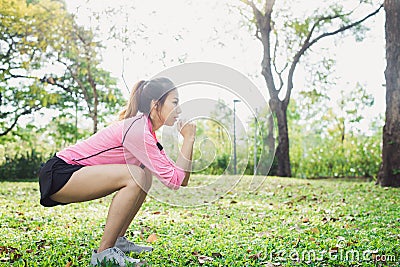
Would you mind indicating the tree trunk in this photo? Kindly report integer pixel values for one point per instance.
(282, 151)
(95, 96)
(95, 111)
(390, 169)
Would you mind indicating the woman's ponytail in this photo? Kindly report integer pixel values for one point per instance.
(142, 95)
(132, 107)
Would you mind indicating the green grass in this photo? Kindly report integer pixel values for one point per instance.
(323, 222)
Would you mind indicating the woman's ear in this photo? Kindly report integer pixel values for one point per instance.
(153, 105)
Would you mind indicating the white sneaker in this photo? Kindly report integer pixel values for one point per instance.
(127, 246)
(113, 254)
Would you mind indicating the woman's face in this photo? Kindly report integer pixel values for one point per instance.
(170, 110)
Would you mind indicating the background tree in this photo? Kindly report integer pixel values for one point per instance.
(83, 79)
(303, 34)
(24, 31)
(390, 170)
(33, 43)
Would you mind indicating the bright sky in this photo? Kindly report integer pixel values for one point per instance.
(208, 31)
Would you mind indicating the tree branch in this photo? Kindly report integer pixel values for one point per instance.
(53, 81)
(25, 112)
(264, 25)
(343, 28)
(80, 84)
(279, 73)
(11, 76)
(307, 44)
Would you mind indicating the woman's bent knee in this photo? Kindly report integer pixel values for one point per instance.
(138, 177)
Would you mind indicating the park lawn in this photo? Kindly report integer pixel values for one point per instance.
(286, 222)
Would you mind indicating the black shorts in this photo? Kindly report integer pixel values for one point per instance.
(54, 174)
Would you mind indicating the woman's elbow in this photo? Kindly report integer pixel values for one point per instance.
(185, 181)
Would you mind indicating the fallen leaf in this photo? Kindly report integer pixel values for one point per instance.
(315, 230)
(157, 212)
(255, 256)
(233, 202)
(301, 198)
(203, 259)
(305, 220)
(152, 238)
(216, 255)
(68, 264)
(269, 264)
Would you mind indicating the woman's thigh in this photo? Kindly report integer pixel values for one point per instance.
(92, 182)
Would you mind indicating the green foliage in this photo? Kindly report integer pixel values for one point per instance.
(32, 42)
(21, 166)
(219, 165)
(214, 149)
(63, 131)
(329, 145)
(24, 33)
(358, 156)
(263, 228)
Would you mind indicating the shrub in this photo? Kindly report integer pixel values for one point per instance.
(22, 166)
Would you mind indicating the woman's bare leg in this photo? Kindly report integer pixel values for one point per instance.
(142, 197)
(98, 181)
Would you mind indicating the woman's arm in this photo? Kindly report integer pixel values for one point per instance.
(188, 171)
(184, 160)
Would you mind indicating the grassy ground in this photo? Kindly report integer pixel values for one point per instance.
(287, 222)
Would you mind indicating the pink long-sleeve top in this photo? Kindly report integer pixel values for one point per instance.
(130, 141)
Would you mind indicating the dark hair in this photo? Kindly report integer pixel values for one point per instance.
(143, 93)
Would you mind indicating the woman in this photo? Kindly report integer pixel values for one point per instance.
(122, 157)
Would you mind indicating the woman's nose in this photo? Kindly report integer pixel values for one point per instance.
(178, 110)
